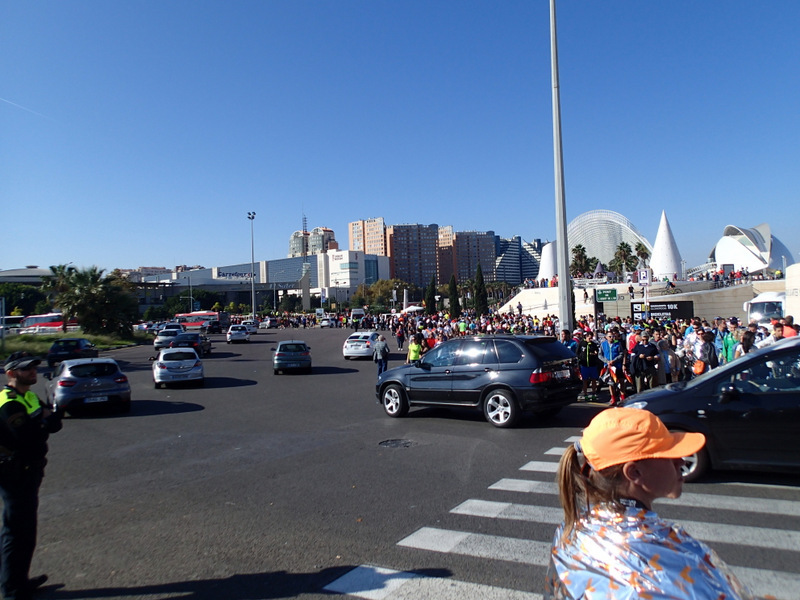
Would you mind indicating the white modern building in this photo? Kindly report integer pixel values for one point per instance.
(754, 249)
(601, 232)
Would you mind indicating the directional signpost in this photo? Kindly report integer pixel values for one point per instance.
(609, 295)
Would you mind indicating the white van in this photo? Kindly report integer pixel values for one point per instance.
(357, 314)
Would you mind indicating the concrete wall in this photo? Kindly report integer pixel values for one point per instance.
(708, 302)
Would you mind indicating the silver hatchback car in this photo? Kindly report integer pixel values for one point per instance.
(83, 382)
(177, 365)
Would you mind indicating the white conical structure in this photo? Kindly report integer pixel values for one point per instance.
(547, 266)
(666, 260)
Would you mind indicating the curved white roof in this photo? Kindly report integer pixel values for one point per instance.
(601, 231)
(753, 249)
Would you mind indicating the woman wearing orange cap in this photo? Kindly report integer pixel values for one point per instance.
(611, 544)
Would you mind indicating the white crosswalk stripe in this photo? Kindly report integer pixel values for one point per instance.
(376, 583)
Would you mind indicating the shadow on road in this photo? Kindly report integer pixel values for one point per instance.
(277, 584)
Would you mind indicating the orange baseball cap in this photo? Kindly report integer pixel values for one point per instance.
(618, 435)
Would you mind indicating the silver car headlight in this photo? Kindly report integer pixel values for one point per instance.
(640, 404)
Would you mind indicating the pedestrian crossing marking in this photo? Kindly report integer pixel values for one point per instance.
(377, 583)
(541, 466)
(759, 537)
(777, 584)
(479, 545)
(557, 451)
(692, 500)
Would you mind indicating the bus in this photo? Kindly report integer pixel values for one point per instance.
(46, 323)
(193, 320)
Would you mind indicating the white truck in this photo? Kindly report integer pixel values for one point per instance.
(764, 307)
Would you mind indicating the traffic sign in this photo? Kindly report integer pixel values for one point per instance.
(608, 295)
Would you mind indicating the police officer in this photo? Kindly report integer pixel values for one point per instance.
(24, 428)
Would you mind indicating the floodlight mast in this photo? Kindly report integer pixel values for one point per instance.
(565, 316)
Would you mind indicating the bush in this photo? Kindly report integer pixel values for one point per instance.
(38, 345)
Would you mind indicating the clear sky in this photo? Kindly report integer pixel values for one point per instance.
(140, 133)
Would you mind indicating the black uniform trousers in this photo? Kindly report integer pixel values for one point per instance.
(19, 488)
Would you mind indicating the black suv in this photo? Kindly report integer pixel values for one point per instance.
(502, 375)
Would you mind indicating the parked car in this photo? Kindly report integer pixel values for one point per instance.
(502, 375)
(291, 355)
(164, 337)
(325, 322)
(83, 382)
(748, 409)
(272, 322)
(360, 344)
(177, 365)
(154, 328)
(198, 341)
(174, 325)
(68, 348)
(213, 326)
(237, 333)
(252, 326)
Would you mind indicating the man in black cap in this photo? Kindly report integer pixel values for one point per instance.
(24, 428)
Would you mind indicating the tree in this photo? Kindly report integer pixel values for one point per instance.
(452, 294)
(580, 261)
(58, 283)
(642, 253)
(623, 260)
(430, 297)
(481, 299)
(23, 299)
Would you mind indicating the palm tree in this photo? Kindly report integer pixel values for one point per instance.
(623, 260)
(59, 282)
(580, 261)
(642, 253)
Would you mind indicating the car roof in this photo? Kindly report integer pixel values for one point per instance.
(291, 342)
(85, 361)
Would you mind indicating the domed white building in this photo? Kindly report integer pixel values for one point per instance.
(753, 249)
(601, 231)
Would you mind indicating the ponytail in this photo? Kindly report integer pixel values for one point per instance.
(580, 486)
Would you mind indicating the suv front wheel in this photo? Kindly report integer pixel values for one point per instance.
(500, 409)
(394, 401)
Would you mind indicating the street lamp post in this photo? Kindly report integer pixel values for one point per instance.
(252, 217)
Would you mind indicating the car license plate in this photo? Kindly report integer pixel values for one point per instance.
(562, 374)
(96, 399)
(292, 365)
(179, 376)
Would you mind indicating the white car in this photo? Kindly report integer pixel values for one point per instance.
(237, 333)
(360, 344)
(252, 326)
(177, 365)
(325, 322)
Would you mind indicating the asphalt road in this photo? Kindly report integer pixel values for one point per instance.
(263, 486)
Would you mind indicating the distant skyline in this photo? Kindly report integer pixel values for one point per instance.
(141, 134)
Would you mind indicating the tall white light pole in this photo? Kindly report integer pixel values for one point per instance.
(252, 217)
(562, 244)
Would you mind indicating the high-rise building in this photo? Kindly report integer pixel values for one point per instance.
(413, 252)
(471, 248)
(368, 236)
(317, 241)
(530, 259)
(445, 255)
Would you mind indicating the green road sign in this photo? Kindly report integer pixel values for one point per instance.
(609, 295)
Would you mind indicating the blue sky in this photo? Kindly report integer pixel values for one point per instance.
(141, 133)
